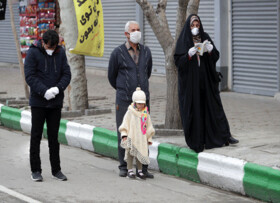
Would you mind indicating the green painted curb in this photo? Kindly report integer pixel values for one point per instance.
(45, 134)
(10, 117)
(167, 158)
(262, 182)
(105, 142)
(187, 164)
(61, 132)
(113, 144)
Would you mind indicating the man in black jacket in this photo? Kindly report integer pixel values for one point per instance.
(48, 74)
(130, 66)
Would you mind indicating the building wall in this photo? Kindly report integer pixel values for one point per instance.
(246, 32)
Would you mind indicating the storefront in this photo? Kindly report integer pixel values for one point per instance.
(8, 53)
(246, 33)
(255, 46)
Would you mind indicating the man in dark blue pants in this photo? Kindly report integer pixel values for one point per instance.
(130, 66)
(48, 74)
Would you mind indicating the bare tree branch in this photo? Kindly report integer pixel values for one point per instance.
(181, 17)
(157, 22)
(193, 7)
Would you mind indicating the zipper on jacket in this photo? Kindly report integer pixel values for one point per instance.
(54, 64)
(46, 66)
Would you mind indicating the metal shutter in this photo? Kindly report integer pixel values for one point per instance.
(8, 53)
(255, 46)
(151, 41)
(207, 16)
(115, 15)
(206, 13)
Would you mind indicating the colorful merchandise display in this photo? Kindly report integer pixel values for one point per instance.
(36, 17)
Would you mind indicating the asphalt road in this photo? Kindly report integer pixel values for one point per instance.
(91, 178)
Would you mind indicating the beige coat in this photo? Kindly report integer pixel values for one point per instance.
(136, 143)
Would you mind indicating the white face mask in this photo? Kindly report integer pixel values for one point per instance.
(195, 31)
(49, 51)
(135, 37)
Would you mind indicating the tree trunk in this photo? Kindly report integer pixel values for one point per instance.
(77, 90)
(21, 66)
(172, 115)
(158, 22)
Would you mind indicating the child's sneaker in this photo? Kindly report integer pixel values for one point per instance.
(141, 175)
(130, 174)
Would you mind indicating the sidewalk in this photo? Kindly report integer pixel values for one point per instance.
(254, 120)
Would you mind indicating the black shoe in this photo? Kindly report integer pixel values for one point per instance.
(141, 175)
(148, 174)
(36, 176)
(131, 174)
(123, 173)
(232, 140)
(60, 176)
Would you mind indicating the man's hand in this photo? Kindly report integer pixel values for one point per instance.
(54, 90)
(49, 94)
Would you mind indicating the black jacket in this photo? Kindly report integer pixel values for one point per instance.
(124, 75)
(43, 72)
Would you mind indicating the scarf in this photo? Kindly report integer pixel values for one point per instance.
(144, 115)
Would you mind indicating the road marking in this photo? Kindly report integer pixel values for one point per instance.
(18, 195)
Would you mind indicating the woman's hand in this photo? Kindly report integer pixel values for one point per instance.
(209, 47)
(192, 51)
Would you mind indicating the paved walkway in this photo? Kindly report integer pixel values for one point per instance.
(254, 120)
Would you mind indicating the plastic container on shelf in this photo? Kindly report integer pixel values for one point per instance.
(36, 17)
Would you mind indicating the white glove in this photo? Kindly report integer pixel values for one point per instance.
(54, 90)
(49, 94)
(209, 47)
(192, 51)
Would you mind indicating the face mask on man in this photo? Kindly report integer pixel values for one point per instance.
(195, 31)
(49, 51)
(135, 37)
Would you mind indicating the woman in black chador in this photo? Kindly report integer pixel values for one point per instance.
(203, 118)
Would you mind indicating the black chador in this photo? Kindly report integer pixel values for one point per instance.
(204, 121)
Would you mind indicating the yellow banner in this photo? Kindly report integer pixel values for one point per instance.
(89, 16)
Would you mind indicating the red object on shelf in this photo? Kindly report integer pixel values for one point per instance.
(30, 15)
(35, 19)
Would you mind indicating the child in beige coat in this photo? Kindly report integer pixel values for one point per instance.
(136, 132)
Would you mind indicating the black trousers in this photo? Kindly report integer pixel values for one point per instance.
(120, 112)
(52, 118)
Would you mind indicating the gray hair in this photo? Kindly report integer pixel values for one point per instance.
(126, 28)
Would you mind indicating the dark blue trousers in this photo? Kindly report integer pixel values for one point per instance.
(52, 118)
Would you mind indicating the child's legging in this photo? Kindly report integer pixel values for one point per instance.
(130, 162)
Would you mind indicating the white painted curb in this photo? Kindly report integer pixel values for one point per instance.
(222, 172)
(25, 121)
(86, 137)
(153, 153)
(72, 134)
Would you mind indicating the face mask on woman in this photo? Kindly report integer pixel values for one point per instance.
(195, 31)
(135, 37)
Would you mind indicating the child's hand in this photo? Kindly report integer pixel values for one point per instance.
(124, 138)
(150, 143)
